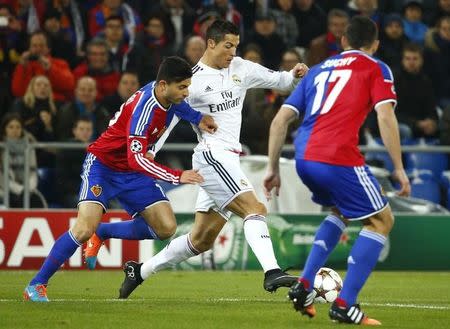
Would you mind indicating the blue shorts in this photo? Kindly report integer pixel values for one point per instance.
(353, 190)
(135, 191)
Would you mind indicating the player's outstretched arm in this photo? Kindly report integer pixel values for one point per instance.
(278, 131)
(208, 124)
(388, 125)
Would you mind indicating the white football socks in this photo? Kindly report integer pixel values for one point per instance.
(178, 250)
(258, 237)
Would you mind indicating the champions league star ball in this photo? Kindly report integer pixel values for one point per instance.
(327, 285)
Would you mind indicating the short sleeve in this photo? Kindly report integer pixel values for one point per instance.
(382, 89)
(296, 101)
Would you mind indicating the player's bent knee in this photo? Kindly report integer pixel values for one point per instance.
(259, 209)
(204, 241)
(166, 231)
(83, 232)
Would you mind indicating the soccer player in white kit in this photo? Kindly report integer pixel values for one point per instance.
(219, 84)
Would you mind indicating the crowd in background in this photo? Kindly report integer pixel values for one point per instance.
(66, 66)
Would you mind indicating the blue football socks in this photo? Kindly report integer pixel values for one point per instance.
(363, 258)
(326, 239)
(134, 229)
(63, 248)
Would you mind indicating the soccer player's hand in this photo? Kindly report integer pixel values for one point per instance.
(272, 180)
(191, 177)
(400, 176)
(207, 124)
(300, 70)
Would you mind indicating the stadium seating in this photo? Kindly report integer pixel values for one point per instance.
(424, 185)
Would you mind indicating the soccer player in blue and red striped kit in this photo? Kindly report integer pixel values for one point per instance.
(117, 166)
(335, 97)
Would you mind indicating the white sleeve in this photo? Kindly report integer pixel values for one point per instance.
(259, 76)
(153, 149)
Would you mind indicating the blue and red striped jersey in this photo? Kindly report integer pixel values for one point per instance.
(335, 98)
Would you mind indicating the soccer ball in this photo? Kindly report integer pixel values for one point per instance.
(327, 285)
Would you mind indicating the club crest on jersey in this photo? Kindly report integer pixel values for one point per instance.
(96, 190)
(236, 79)
(243, 182)
(135, 146)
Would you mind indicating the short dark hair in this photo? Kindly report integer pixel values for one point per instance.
(114, 18)
(361, 32)
(82, 118)
(219, 28)
(413, 48)
(174, 69)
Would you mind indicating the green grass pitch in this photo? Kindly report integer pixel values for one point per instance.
(197, 300)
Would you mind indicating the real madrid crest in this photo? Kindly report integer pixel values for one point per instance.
(236, 79)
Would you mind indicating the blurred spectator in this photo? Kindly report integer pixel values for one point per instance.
(73, 21)
(227, 12)
(415, 29)
(181, 18)
(30, 13)
(437, 59)
(194, 49)
(445, 126)
(61, 44)
(311, 21)
(128, 85)
(205, 19)
(97, 66)
(328, 44)
(443, 9)
(38, 61)
(14, 135)
(10, 36)
(69, 163)
(392, 41)
(267, 39)
(97, 18)
(368, 8)
(117, 45)
(37, 109)
(286, 23)
(149, 52)
(253, 52)
(84, 104)
(416, 102)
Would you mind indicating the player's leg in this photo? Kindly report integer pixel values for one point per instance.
(247, 206)
(206, 227)
(89, 215)
(153, 216)
(371, 207)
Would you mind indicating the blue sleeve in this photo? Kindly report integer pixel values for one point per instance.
(187, 113)
(296, 100)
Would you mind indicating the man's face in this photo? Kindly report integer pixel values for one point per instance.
(83, 131)
(195, 49)
(86, 91)
(114, 30)
(38, 45)
(444, 29)
(97, 57)
(265, 27)
(337, 26)
(412, 61)
(155, 28)
(225, 50)
(112, 4)
(288, 61)
(176, 92)
(394, 30)
(445, 4)
(413, 14)
(128, 85)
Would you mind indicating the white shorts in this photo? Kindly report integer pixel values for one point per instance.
(223, 178)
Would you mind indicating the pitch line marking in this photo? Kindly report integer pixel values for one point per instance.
(226, 300)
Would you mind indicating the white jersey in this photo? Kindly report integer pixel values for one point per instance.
(221, 93)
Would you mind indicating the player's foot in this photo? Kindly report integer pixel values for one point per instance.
(35, 293)
(132, 279)
(352, 314)
(92, 248)
(276, 278)
(302, 299)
